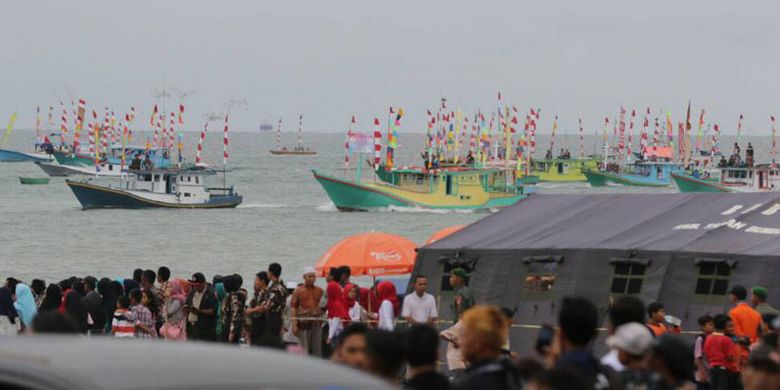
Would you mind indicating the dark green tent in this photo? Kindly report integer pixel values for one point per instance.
(685, 250)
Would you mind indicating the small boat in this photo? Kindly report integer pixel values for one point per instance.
(293, 152)
(759, 178)
(265, 126)
(33, 180)
(7, 155)
(448, 189)
(156, 189)
(641, 173)
(59, 170)
(298, 150)
(562, 170)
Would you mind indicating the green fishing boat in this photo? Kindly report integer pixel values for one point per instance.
(33, 180)
(449, 189)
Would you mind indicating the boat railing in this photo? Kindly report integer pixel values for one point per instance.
(220, 191)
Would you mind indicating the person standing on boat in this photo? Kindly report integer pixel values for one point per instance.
(201, 309)
(464, 298)
(749, 155)
(305, 305)
(136, 163)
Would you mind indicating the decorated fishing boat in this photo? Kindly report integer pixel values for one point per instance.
(640, 173)
(298, 150)
(64, 157)
(452, 189)
(156, 189)
(563, 169)
(59, 170)
(8, 155)
(760, 178)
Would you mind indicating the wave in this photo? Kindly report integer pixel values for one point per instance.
(263, 206)
(406, 209)
(327, 207)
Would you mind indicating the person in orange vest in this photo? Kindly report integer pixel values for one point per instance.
(656, 318)
(746, 323)
(746, 319)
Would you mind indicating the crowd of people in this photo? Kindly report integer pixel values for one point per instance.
(736, 161)
(361, 327)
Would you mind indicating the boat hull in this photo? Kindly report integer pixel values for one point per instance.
(687, 183)
(352, 196)
(57, 170)
(7, 155)
(76, 160)
(33, 180)
(93, 196)
(293, 152)
(600, 179)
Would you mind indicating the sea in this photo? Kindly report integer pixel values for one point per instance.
(286, 217)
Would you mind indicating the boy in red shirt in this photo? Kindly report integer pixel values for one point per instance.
(722, 355)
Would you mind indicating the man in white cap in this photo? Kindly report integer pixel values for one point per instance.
(305, 305)
(633, 341)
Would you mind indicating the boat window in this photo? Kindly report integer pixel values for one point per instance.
(713, 277)
(187, 194)
(156, 177)
(448, 181)
(628, 276)
(196, 179)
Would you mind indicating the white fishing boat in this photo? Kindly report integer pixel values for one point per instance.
(156, 189)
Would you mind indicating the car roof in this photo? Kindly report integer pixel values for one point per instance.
(78, 362)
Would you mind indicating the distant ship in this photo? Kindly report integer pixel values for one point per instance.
(265, 126)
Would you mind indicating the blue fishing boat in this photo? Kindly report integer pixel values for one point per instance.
(7, 155)
(640, 173)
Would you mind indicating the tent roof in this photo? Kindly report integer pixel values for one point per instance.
(744, 224)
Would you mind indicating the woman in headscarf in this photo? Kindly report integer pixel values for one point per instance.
(107, 291)
(75, 309)
(9, 322)
(388, 305)
(52, 298)
(220, 290)
(337, 307)
(25, 305)
(369, 300)
(174, 327)
(357, 313)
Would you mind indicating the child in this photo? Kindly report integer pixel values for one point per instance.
(720, 352)
(656, 318)
(144, 320)
(122, 323)
(702, 374)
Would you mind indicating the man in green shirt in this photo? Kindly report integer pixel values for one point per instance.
(759, 301)
(464, 298)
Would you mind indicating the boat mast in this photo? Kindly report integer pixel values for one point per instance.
(225, 151)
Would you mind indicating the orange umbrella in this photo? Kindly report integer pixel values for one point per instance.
(372, 254)
(443, 233)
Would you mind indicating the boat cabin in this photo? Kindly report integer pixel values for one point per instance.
(188, 185)
(751, 179)
(660, 171)
(455, 182)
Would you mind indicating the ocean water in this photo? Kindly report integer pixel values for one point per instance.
(286, 217)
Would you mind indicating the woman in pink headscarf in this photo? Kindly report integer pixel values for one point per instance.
(174, 327)
(389, 307)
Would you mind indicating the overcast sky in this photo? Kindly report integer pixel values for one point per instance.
(332, 59)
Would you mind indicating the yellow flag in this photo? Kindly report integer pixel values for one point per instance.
(9, 128)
